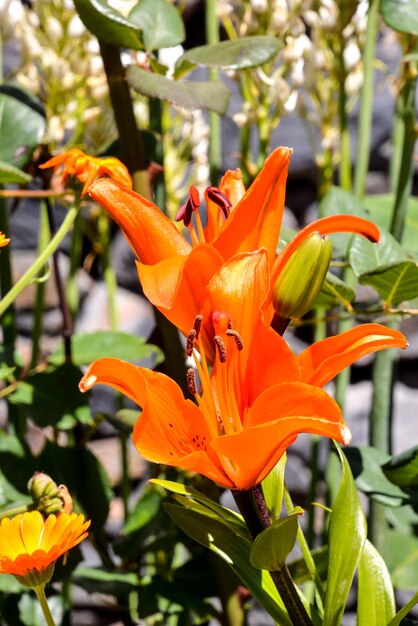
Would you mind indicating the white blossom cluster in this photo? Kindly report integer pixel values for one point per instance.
(315, 35)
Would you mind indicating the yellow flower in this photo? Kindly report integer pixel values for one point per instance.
(30, 545)
(3, 240)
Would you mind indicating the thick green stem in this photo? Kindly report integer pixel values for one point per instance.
(40, 592)
(109, 275)
(16, 511)
(76, 249)
(212, 37)
(27, 278)
(366, 103)
(43, 238)
(156, 112)
(134, 154)
(288, 593)
(345, 159)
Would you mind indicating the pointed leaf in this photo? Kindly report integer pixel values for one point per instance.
(109, 25)
(273, 488)
(11, 175)
(160, 22)
(145, 510)
(376, 599)
(212, 95)
(239, 54)
(273, 545)
(402, 469)
(235, 551)
(98, 580)
(335, 291)
(347, 534)
(380, 208)
(401, 15)
(366, 257)
(400, 551)
(21, 129)
(87, 347)
(404, 611)
(394, 284)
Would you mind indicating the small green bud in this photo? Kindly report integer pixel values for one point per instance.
(301, 279)
(47, 496)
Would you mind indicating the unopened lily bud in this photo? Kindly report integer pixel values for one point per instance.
(47, 496)
(302, 277)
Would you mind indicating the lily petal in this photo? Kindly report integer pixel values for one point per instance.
(325, 359)
(255, 222)
(150, 233)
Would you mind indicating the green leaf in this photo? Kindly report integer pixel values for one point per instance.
(347, 534)
(21, 129)
(376, 599)
(99, 580)
(51, 398)
(400, 552)
(366, 465)
(160, 22)
(146, 508)
(273, 488)
(401, 15)
(394, 284)
(239, 54)
(337, 201)
(402, 469)
(335, 291)
(11, 175)
(273, 545)
(299, 570)
(365, 256)
(87, 347)
(235, 550)
(212, 95)
(16, 467)
(109, 25)
(404, 611)
(380, 208)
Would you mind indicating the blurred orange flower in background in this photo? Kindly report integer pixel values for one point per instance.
(30, 544)
(86, 168)
(3, 240)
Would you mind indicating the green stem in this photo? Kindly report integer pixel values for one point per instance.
(366, 104)
(7, 320)
(345, 159)
(288, 593)
(103, 226)
(156, 112)
(16, 511)
(44, 236)
(212, 37)
(131, 140)
(40, 592)
(75, 259)
(27, 278)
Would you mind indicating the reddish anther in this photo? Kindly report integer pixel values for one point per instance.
(197, 324)
(190, 342)
(219, 198)
(236, 337)
(185, 212)
(221, 348)
(191, 381)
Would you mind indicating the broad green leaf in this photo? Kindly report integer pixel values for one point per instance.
(366, 466)
(212, 95)
(109, 25)
(146, 508)
(402, 469)
(234, 520)
(235, 550)
(380, 208)
(239, 54)
(21, 129)
(404, 611)
(11, 175)
(87, 347)
(9, 584)
(376, 599)
(83, 474)
(102, 581)
(335, 291)
(160, 22)
(401, 15)
(347, 534)
(400, 552)
(50, 397)
(273, 545)
(365, 256)
(394, 284)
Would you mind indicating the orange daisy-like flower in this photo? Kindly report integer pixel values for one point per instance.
(3, 240)
(174, 273)
(30, 544)
(86, 168)
(259, 395)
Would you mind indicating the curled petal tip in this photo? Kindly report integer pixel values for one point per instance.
(87, 382)
(346, 436)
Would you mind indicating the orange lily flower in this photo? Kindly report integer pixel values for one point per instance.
(3, 240)
(174, 274)
(30, 545)
(259, 395)
(86, 168)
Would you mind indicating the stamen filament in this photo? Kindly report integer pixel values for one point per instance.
(200, 227)
(193, 235)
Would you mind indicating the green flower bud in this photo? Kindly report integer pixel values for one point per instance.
(301, 279)
(47, 496)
